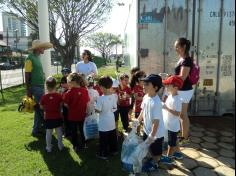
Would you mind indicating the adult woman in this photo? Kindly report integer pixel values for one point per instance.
(87, 66)
(184, 65)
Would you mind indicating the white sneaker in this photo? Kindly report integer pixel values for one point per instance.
(61, 147)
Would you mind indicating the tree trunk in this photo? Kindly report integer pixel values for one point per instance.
(67, 57)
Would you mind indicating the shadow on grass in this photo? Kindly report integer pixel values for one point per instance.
(58, 162)
(85, 163)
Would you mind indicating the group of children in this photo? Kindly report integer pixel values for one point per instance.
(79, 98)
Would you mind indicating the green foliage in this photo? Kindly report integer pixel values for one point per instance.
(22, 154)
(99, 61)
(103, 43)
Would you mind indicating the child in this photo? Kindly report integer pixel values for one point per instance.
(173, 105)
(76, 99)
(93, 96)
(138, 91)
(51, 104)
(115, 86)
(151, 115)
(124, 100)
(63, 89)
(106, 106)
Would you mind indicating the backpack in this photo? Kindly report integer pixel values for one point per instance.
(194, 73)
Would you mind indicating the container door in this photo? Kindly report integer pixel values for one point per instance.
(177, 25)
(151, 35)
(207, 30)
(226, 98)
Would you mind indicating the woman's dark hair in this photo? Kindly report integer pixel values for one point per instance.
(89, 55)
(105, 81)
(136, 77)
(183, 42)
(134, 70)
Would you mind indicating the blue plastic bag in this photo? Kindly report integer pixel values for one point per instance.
(91, 127)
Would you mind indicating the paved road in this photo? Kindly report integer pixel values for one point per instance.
(15, 77)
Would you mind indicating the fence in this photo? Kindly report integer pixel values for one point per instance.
(11, 78)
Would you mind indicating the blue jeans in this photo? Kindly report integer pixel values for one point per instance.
(37, 92)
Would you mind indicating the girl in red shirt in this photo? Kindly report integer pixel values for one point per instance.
(51, 103)
(124, 100)
(138, 91)
(76, 99)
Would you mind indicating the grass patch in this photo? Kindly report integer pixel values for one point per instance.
(23, 155)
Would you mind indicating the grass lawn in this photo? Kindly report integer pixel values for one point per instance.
(23, 155)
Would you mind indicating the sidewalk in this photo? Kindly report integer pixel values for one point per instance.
(210, 153)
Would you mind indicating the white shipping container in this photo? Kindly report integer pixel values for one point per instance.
(210, 26)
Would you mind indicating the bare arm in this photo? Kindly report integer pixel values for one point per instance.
(27, 82)
(155, 125)
(174, 112)
(140, 118)
(184, 72)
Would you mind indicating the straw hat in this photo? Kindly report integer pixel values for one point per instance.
(38, 44)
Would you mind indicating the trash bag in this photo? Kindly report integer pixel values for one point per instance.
(165, 119)
(134, 150)
(91, 127)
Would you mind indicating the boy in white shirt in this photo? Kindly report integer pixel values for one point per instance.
(152, 118)
(173, 107)
(106, 106)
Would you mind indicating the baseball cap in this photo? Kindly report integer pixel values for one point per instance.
(174, 80)
(65, 70)
(154, 79)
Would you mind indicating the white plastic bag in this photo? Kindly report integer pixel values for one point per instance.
(91, 127)
(133, 152)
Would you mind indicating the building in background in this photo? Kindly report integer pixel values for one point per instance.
(14, 31)
(154, 25)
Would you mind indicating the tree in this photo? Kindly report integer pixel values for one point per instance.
(70, 20)
(103, 43)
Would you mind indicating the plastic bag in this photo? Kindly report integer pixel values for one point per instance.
(165, 119)
(134, 150)
(91, 127)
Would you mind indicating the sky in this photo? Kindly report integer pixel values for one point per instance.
(117, 21)
(115, 24)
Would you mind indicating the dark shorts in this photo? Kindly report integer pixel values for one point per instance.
(156, 147)
(53, 123)
(172, 138)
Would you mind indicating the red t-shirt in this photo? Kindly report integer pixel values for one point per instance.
(97, 88)
(77, 99)
(140, 93)
(51, 103)
(124, 102)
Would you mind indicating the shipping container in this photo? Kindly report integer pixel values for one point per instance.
(209, 25)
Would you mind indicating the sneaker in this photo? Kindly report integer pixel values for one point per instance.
(166, 160)
(178, 156)
(102, 157)
(183, 142)
(61, 147)
(48, 150)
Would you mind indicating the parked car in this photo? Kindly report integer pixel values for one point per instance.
(6, 66)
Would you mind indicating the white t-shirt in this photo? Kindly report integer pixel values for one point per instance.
(107, 104)
(152, 109)
(93, 95)
(174, 103)
(86, 68)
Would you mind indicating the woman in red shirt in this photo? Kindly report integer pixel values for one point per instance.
(124, 100)
(51, 103)
(76, 99)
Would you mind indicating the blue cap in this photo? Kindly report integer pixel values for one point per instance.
(66, 70)
(154, 79)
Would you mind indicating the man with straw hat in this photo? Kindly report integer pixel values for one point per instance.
(34, 78)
